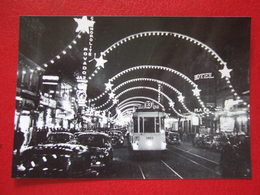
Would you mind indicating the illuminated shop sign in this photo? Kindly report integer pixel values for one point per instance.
(50, 77)
(47, 102)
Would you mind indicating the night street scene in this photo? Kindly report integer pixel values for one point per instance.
(132, 98)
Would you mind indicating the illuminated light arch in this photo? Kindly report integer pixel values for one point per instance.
(142, 97)
(129, 102)
(139, 97)
(160, 82)
(149, 80)
(156, 67)
(63, 51)
(193, 41)
(163, 33)
(149, 88)
(127, 111)
(129, 105)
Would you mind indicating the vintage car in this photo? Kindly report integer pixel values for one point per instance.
(117, 137)
(60, 137)
(100, 148)
(207, 142)
(173, 137)
(198, 140)
(203, 141)
(219, 141)
(58, 157)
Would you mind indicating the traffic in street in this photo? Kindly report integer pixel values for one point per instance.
(132, 97)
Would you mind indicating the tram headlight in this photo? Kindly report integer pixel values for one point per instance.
(136, 139)
(149, 143)
(135, 146)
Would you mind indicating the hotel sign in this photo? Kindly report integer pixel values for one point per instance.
(207, 75)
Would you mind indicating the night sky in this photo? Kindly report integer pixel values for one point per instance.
(42, 38)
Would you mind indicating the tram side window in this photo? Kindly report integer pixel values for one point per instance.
(141, 125)
(157, 125)
(135, 125)
(148, 124)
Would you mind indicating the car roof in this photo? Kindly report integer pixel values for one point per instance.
(92, 133)
(60, 133)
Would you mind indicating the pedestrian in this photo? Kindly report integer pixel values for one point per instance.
(18, 140)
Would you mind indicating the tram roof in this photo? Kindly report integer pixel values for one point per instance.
(149, 112)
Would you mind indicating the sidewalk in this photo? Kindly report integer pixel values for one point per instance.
(201, 152)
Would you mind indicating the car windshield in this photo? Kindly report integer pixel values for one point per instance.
(92, 140)
(59, 138)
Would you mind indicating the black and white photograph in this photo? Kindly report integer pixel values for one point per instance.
(107, 97)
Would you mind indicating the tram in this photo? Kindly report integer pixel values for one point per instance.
(146, 130)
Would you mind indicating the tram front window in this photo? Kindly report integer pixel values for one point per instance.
(148, 125)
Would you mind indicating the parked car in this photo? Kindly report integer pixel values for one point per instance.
(173, 137)
(59, 157)
(218, 142)
(207, 142)
(100, 147)
(198, 140)
(60, 137)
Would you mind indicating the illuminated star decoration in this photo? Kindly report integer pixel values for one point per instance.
(84, 24)
(111, 95)
(196, 91)
(115, 101)
(225, 72)
(100, 62)
(108, 85)
(171, 104)
(181, 98)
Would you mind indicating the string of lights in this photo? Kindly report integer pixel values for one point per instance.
(178, 36)
(149, 88)
(63, 52)
(142, 97)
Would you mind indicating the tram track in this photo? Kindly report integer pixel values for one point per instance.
(160, 167)
(198, 156)
(197, 163)
(169, 167)
(142, 173)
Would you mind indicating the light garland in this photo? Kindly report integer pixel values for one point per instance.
(142, 97)
(178, 36)
(129, 102)
(149, 88)
(155, 67)
(63, 52)
(127, 105)
(180, 96)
